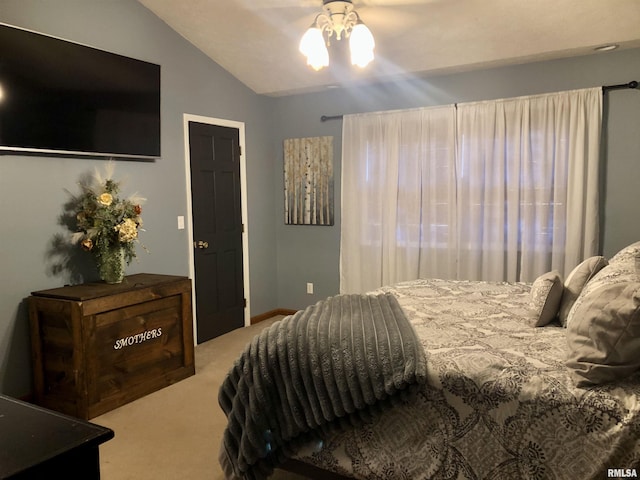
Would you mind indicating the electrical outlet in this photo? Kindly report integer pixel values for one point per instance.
(309, 288)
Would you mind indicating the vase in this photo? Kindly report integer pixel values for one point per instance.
(111, 265)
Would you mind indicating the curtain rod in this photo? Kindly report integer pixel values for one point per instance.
(324, 118)
(632, 84)
(605, 88)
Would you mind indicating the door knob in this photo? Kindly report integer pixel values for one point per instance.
(201, 244)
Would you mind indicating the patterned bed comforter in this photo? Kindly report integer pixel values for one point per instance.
(498, 402)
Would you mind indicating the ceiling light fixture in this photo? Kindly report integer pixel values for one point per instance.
(339, 19)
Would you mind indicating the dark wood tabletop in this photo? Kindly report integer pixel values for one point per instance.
(91, 290)
(33, 439)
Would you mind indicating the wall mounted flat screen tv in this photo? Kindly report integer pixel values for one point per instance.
(63, 98)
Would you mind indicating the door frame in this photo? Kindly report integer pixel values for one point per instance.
(243, 200)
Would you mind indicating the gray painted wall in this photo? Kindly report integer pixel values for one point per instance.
(32, 188)
(311, 254)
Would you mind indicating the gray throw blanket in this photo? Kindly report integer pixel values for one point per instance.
(333, 364)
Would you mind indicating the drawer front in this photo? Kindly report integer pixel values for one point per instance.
(135, 350)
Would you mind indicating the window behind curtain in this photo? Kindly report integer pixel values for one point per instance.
(476, 191)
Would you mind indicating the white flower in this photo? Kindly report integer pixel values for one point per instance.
(105, 199)
(127, 230)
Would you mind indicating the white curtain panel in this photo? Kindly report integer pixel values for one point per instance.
(528, 184)
(478, 191)
(398, 187)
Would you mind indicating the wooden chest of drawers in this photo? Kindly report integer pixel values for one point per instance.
(96, 347)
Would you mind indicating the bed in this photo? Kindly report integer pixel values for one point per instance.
(522, 381)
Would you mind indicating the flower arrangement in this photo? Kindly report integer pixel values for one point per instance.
(107, 223)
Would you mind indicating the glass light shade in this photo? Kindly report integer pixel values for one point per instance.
(313, 47)
(361, 44)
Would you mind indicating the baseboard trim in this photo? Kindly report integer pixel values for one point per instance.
(271, 313)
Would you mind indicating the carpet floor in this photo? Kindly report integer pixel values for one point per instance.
(175, 433)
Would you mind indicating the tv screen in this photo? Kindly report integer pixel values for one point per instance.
(61, 97)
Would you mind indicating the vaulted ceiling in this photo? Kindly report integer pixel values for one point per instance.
(257, 40)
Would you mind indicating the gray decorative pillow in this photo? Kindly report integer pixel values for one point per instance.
(612, 274)
(576, 281)
(546, 293)
(604, 335)
(627, 254)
